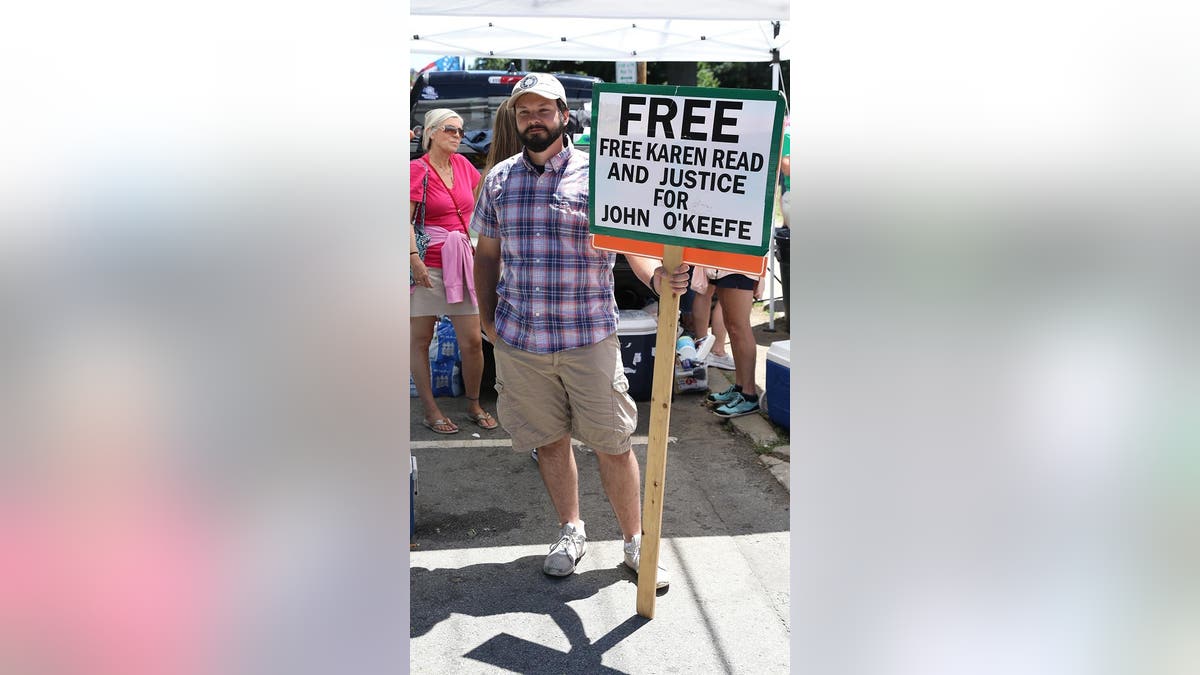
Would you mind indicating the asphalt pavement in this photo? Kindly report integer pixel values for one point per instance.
(481, 604)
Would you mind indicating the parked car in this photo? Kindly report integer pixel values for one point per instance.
(475, 95)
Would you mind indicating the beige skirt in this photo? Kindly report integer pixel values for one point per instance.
(432, 301)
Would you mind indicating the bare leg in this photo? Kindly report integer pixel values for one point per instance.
(702, 311)
(720, 335)
(470, 345)
(736, 304)
(556, 462)
(622, 481)
(421, 334)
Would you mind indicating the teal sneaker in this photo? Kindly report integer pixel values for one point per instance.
(723, 397)
(736, 408)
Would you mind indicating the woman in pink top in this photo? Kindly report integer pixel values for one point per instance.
(444, 280)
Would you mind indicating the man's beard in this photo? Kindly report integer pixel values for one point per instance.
(540, 143)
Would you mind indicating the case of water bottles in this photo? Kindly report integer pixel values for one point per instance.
(693, 379)
(445, 369)
(690, 372)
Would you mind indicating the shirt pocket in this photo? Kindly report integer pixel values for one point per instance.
(572, 206)
(513, 420)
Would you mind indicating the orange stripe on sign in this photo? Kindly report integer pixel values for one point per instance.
(733, 262)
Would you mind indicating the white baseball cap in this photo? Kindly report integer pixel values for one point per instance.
(542, 84)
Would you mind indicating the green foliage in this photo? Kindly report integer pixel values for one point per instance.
(606, 71)
(736, 75)
(740, 75)
(492, 64)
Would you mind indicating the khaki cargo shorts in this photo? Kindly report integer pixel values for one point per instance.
(580, 392)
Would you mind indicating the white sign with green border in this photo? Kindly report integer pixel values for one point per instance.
(627, 71)
(685, 166)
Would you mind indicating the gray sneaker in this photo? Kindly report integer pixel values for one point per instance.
(633, 560)
(568, 550)
(722, 361)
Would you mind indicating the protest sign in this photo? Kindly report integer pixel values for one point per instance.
(685, 166)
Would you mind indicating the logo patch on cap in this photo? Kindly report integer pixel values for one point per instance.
(529, 81)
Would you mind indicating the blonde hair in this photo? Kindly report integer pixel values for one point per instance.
(433, 119)
(505, 142)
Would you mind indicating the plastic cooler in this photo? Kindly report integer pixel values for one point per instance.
(638, 332)
(779, 383)
(412, 495)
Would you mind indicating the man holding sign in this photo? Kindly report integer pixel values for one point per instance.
(552, 317)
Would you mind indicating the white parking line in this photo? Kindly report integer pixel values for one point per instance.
(497, 443)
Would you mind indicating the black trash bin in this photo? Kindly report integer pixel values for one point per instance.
(783, 247)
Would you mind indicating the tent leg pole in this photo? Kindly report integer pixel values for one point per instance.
(771, 280)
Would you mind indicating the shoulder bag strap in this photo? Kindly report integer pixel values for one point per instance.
(418, 220)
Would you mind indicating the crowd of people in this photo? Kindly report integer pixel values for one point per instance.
(534, 285)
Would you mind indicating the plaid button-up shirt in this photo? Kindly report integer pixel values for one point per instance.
(555, 290)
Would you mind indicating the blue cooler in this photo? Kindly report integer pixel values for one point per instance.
(638, 332)
(779, 383)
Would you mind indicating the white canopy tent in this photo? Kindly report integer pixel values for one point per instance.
(599, 39)
(722, 10)
(613, 30)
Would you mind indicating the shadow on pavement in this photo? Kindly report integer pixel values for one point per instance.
(489, 589)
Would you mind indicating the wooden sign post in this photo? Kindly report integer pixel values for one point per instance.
(656, 445)
(688, 175)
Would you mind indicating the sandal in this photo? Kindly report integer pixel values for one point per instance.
(441, 426)
(484, 420)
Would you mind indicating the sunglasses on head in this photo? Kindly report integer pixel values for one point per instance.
(451, 129)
